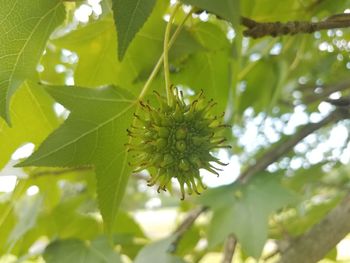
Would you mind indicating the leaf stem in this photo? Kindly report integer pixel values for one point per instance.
(165, 52)
(160, 60)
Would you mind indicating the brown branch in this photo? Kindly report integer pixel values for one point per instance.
(341, 102)
(284, 146)
(321, 238)
(229, 249)
(271, 255)
(184, 227)
(327, 90)
(260, 29)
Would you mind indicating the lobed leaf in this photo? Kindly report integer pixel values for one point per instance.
(33, 119)
(129, 17)
(93, 134)
(157, 252)
(247, 214)
(74, 250)
(227, 9)
(25, 27)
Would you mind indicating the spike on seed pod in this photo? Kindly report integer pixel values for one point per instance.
(176, 140)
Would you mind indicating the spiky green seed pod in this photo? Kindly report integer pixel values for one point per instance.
(175, 141)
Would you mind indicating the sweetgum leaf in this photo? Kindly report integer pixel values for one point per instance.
(25, 27)
(96, 46)
(207, 71)
(27, 211)
(247, 211)
(158, 252)
(74, 250)
(33, 119)
(93, 134)
(129, 16)
(227, 9)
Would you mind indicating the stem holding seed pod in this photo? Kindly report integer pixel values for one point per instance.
(175, 140)
(166, 52)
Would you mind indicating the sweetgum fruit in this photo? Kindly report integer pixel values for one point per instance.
(175, 141)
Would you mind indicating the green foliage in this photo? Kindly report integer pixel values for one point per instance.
(224, 8)
(27, 211)
(157, 252)
(25, 28)
(129, 16)
(32, 120)
(95, 134)
(246, 212)
(74, 250)
(71, 85)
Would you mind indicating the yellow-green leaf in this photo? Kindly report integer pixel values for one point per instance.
(25, 27)
(93, 134)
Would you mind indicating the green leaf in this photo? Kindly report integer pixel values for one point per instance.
(273, 10)
(33, 119)
(7, 223)
(247, 216)
(129, 16)
(128, 234)
(228, 9)
(260, 86)
(188, 242)
(125, 224)
(207, 71)
(157, 252)
(27, 211)
(210, 36)
(96, 46)
(25, 27)
(94, 133)
(74, 250)
(218, 197)
(69, 222)
(332, 255)
(304, 218)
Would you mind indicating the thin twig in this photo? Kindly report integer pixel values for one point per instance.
(326, 91)
(185, 226)
(161, 58)
(229, 249)
(260, 29)
(166, 52)
(283, 147)
(314, 244)
(341, 102)
(271, 255)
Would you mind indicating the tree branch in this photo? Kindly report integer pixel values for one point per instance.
(274, 29)
(321, 238)
(184, 227)
(326, 91)
(284, 146)
(229, 249)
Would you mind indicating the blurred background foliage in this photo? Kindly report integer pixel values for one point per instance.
(269, 88)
